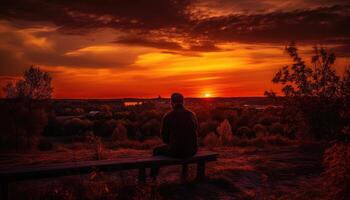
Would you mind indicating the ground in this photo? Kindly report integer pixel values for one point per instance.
(239, 173)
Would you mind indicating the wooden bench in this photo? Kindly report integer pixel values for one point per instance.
(74, 168)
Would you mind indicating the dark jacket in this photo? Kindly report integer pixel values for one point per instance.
(179, 131)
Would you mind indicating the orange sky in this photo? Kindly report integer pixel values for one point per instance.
(200, 48)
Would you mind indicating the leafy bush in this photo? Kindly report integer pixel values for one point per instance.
(35, 85)
(337, 171)
(207, 127)
(316, 93)
(104, 128)
(245, 131)
(21, 124)
(267, 120)
(150, 128)
(263, 141)
(211, 140)
(76, 126)
(120, 132)
(259, 129)
(225, 132)
(276, 128)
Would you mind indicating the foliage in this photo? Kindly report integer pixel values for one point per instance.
(24, 114)
(245, 131)
(259, 129)
(35, 84)
(316, 92)
(276, 128)
(21, 125)
(104, 128)
(76, 126)
(225, 132)
(337, 171)
(97, 146)
(120, 132)
(150, 128)
(211, 140)
(207, 127)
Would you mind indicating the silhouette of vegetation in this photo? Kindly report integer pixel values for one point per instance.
(317, 98)
(24, 113)
(316, 93)
(36, 85)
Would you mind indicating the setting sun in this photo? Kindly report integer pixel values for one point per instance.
(207, 95)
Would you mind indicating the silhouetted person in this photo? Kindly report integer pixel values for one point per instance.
(179, 132)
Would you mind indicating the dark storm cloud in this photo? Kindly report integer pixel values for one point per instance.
(98, 13)
(159, 43)
(169, 45)
(154, 19)
(299, 25)
(75, 16)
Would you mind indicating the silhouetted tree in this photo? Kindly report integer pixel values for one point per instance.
(36, 84)
(316, 93)
(24, 114)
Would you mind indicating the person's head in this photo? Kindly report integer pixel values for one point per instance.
(177, 99)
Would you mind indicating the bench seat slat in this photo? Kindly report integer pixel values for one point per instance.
(72, 168)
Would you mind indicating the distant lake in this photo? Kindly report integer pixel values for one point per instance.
(132, 103)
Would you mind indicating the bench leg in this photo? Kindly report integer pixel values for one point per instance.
(184, 172)
(200, 170)
(142, 175)
(4, 190)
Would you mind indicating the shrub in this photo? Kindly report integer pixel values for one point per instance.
(211, 140)
(225, 132)
(243, 120)
(150, 128)
(207, 127)
(35, 85)
(97, 146)
(218, 114)
(337, 171)
(267, 120)
(104, 128)
(276, 128)
(259, 129)
(120, 132)
(78, 111)
(245, 131)
(263, 141)
(316, 93)
(21, 124)
(76, 126)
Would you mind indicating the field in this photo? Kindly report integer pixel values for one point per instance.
(261, 156)
(240, 173)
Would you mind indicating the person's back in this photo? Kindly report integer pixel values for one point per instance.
(179, 131)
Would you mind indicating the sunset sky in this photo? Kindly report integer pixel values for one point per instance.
(146, 48)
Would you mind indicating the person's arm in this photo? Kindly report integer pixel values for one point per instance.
(165, 130)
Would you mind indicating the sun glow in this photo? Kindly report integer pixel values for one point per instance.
(207, 95)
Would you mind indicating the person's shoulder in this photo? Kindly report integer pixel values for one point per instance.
(190, 112)
(167, 114)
